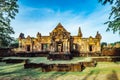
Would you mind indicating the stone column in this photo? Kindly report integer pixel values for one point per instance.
(55, 46)
(40, 47)
(68, 46)
(98, 46)
(63, 46)
(48, 47)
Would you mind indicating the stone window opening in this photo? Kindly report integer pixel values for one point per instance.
(90, 48)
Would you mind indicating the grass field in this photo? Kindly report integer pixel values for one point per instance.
(45, 60)
(103, 71)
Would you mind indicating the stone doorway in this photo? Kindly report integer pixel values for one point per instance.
(28, 47)
(90, 48)
(59, 47)
(44, 47)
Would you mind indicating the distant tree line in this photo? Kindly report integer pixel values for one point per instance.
(112, 44)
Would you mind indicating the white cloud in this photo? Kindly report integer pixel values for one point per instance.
(89, 24)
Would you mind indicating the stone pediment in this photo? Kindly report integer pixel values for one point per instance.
(60, 32)
(59, 28)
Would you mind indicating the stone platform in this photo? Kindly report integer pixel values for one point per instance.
(60, 56)
(61, 65)
(76, 64)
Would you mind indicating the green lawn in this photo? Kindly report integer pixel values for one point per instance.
(103, 71)
(45, 60)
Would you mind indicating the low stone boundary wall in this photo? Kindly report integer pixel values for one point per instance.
(89, 64)
(59, 57)
(111, 51)
(33, 65)
(55, 67)
(13, 61)
(32, 54)
(76, 53)
(95, 54)
(106, 59)
(62, 67)
(5, 52)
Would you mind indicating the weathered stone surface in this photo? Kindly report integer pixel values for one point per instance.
(32, 54)
(60, 40)
(59, 57)
(107, 59)
(55, 67)
(62, 67)
(5, 52)
(111, 51)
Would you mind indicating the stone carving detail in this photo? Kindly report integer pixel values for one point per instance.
(60, 33)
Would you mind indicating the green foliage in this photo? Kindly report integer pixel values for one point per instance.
(114, 18)
(103, 44)
(106, 1)
(113, 44)
(14, 44)
(118, 42)
(8, 10)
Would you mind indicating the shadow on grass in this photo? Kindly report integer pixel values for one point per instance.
(6, 73)
(21, 74)
(9, 66)
(91, 73)
(112, 76)
(17, 72)
(118, 62)
(56, 74)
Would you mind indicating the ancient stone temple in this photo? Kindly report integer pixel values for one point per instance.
(60, 40)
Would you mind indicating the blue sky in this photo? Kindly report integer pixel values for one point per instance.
(43, 16)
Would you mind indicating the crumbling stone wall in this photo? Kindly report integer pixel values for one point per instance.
(111, 51)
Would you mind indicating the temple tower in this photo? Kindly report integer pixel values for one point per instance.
(79, 32)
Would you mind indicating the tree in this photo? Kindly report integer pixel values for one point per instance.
(14, 44)
(8, 10)
(103, 44)
(114, 18)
